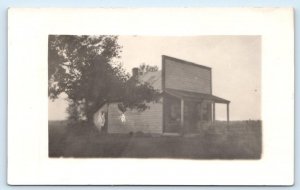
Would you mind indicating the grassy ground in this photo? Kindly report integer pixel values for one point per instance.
(239, 140)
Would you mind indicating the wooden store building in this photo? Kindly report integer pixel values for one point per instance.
(187, 103)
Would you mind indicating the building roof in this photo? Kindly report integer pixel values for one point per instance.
(185, 62)
(195, 96)
(153, 78)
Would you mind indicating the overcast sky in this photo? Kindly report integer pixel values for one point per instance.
(235, 63)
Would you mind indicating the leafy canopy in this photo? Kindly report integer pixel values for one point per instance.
(86, 68)
(143, 68)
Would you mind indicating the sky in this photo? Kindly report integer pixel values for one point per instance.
(235, 63)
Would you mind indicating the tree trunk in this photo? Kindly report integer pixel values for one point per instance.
(89, 113)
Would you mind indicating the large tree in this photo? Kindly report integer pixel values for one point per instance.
(86, 68)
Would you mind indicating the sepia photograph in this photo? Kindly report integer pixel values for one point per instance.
(150, 96)
(177, 97)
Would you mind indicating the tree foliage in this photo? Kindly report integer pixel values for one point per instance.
(87, 70)
(143, 68)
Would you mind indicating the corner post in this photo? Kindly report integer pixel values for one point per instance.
(214, 113)
(182, 116)
(227, 113)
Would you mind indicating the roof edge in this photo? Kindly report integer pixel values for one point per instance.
(179, 94)
(185, 62)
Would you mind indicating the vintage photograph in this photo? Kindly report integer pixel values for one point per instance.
(176, 97)
(150, 96)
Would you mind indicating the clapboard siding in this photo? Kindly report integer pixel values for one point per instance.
(148, 121)
(189, 77)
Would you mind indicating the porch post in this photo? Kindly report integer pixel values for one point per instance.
(182, 116)
(214, 112)
(227, 113)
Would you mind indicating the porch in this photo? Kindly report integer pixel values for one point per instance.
(189, 112)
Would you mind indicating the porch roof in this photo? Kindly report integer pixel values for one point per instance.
(195, 96)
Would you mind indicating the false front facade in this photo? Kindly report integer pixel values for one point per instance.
(187, 104)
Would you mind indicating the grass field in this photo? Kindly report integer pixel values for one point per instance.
(239, 140)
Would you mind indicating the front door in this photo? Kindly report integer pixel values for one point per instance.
(190, 116)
